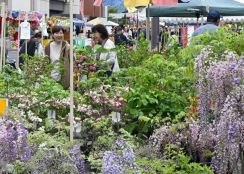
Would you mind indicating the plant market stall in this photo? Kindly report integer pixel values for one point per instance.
(164, 115)
(11, 30)
(177, 112)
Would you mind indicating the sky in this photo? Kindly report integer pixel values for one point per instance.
(242, 1)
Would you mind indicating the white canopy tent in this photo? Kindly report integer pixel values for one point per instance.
(103, 21)
(176, 20)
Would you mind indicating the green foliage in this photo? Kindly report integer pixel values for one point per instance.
(221, 40)
(128, 57)
(35, 67)
(104, 143)
(91, 129)
(10, 81)
(40, 137)
(173, 161)
(158, 89)
(112, 10)
(47, 151)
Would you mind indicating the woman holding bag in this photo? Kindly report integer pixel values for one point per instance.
(101, 37)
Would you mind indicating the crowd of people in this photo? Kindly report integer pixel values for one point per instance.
(57, 49)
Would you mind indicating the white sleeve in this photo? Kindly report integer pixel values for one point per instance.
(111, 57)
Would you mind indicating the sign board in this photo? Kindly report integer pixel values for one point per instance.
(25, 30)
(3, 106)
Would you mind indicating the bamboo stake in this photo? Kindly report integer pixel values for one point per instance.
(2, 33)
(71, 116)
(4, 37)
(17, 62)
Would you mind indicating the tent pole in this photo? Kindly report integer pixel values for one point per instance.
(202, 19)
(17, 62)
(4, 37)
(71, 114)
(2, 34)
(148, 24)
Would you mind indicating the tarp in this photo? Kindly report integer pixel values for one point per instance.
(78, 22)
(111, 23)
(225, 7)
(186, 21)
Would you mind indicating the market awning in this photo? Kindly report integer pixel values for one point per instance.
(103, 21)
(193, 21)
(78, 22)
(111, 23)
(190, 9)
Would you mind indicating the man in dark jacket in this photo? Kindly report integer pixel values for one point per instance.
(119, 37)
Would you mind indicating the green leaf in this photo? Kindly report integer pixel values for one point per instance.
(144, 119)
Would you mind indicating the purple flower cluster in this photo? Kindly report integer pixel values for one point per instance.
(22, 141)
(77, 159)
(230, 133)
(112, 163)
(169, 134)
(221, 98)
(217, 77)
(189, 136)
(121, 159)
(13, 141)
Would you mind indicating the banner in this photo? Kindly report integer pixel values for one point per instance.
(98, 3)
(165, 2)
(184, 38)
(81, 7)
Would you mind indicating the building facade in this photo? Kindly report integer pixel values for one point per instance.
(81, 7)
(61, 7)
(91, 10)
(57, 7)
(28, 5)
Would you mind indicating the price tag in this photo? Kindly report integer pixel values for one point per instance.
(116, 117)
(3, 106)
(51, 114)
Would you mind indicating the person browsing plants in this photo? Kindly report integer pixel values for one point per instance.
(34, 47)
(58, 52)
(213, 20)
(101, 37)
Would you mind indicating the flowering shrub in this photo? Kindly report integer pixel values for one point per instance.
(173, 160)
(198, 144)
(217, 77)
(220, 85)
(103, 101)
(230, 134)
(52, 153)
(50, 160)
(83, 67)
(121, 159)
(13, 143)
